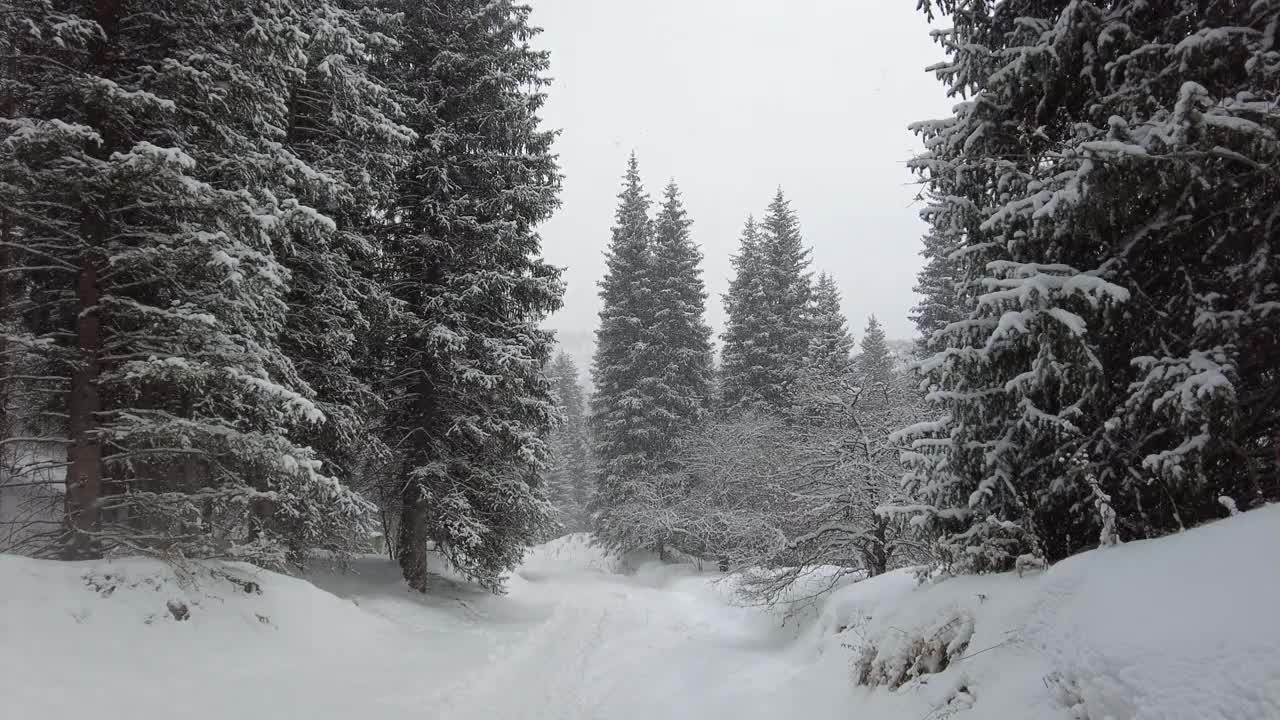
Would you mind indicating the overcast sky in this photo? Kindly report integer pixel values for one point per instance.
(734, 98)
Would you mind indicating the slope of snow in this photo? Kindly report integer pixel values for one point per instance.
(1184, 627)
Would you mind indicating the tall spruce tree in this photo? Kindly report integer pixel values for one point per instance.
(742, 361)
(830, 343)
(570, 478)
(468, 403)
(146, 190)
(941, 302)
(1113, 245)
(769, 325)
(874, 362)
(681, 336)
(626, 420)
(341, 121)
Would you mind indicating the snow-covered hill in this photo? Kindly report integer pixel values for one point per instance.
(1184, 627)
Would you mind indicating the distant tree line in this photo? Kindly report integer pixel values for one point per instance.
(778, 455)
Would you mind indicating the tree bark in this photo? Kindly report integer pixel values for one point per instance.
(875, 556)
(84, 469)
(6, 316)
(84, 453)
(412, 545)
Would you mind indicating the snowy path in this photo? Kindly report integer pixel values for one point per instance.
(578, 644)
(570, 641)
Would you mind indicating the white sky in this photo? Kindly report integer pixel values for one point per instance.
(733, 98)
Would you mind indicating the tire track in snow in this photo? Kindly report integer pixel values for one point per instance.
(610, 649)
(553, 671)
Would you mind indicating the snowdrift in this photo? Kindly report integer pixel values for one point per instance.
(140, 638)
(1185, 627)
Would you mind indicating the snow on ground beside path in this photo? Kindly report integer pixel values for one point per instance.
(1183, 627)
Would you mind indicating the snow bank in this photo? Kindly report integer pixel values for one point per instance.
(139, 638)
(1185, 627)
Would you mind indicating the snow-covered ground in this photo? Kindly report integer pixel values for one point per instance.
(1184, 627)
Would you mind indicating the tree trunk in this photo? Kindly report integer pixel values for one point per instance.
(84, 453)
(876, 555)
(412, 545)
(84, 469)
(6, 316)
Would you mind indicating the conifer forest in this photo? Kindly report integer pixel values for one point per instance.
(275, 298)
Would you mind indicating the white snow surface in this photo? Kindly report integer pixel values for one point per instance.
(1182, 627)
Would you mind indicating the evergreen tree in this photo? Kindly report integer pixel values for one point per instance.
(769, 326)
(146, 190)
(1112, 249)
(681, 336)
(1169, 176)
(830, 345)
(468, 403)
(788, 287)
(569, 476)
(624, 409)
(340, 122)
(874, 361)
(940, 297)
(742, 360)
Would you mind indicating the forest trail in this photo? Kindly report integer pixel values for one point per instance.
(572, 642)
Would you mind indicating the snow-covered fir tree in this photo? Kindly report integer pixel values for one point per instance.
(341, 122)
(468, 403)
(788, 283)
(681, 336)
(1168, 169)
(626, 418)
(830, 343)
(769, 327)
(1097, 193)
(875, 363)
(570, 477)
(741, 358)
(148, 188)
(941, 302)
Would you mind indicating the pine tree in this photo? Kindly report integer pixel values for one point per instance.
(742, 360)
(1095, 210)
(149, 189)
(874, 362)
(831, 343)
(1013, 378)
(570, 477)
(681, 336)
(468, 403)
(340, 121)
(624, 410)
(787, 286)
(940, 297)
(769, 326)
(1169, 175)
